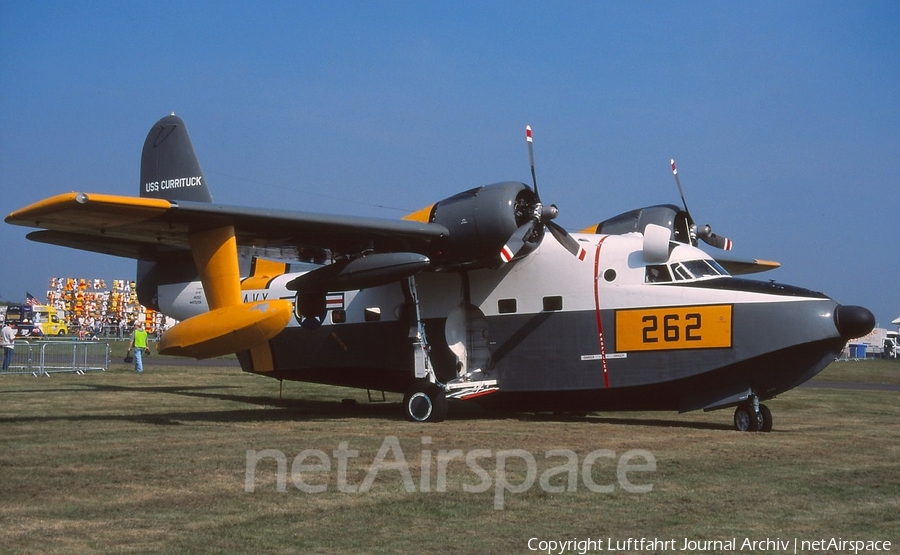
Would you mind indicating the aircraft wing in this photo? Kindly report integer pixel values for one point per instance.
(737, 266)
(155, 229)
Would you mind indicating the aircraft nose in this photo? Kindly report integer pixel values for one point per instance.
(853, 321)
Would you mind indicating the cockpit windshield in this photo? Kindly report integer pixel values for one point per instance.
(684, 271)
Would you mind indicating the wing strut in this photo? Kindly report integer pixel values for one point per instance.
(422, 361)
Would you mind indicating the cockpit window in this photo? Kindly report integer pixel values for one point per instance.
(700, 269)
(658, 273)
(682, 271)
(718, 267)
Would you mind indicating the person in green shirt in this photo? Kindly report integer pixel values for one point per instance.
(138, 344)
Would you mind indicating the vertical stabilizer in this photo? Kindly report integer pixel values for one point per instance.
(169, 168)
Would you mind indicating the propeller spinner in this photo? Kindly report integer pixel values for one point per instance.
(703, 232)
(537, 218)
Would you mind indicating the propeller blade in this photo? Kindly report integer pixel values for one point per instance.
(717, 241)
(530, 141)
(678, 182)
(702, 232)
(516, 241)
(706, 233)
(566, 240)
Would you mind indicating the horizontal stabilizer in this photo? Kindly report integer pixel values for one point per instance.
(227, 330)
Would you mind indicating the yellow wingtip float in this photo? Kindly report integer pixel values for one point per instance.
(227, 330)
(230, 325)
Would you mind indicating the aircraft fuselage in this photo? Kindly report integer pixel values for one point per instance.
(557, 333)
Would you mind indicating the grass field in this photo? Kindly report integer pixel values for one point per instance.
(119, 462)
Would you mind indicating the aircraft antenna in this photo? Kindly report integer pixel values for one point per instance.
(678, 182)
(530, 142)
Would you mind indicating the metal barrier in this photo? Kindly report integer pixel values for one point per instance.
(42, 357)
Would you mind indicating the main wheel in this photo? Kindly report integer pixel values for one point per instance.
(765, 416)
(425, 402)
(746, 419)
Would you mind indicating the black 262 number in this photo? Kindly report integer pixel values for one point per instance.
(673, 328)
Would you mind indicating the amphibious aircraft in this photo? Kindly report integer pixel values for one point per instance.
(467, 299)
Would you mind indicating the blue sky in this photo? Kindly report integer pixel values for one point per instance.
(784, 117)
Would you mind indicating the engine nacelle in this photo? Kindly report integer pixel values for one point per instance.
(664, 215)
(480, 222)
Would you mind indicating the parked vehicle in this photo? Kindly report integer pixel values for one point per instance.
(43, 318)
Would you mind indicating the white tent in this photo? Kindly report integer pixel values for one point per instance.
(896, 322)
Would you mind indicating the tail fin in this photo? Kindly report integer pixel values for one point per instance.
(169, 170)
(169, 167)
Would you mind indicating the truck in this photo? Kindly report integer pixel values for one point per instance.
(880, 343)
(891, 345)
(27, 318)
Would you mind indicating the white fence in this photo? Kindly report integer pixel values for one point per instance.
(43, 357)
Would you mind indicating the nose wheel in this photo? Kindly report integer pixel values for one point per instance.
(752, 417)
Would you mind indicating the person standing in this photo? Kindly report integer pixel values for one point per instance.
(139, 343)
(8, 341)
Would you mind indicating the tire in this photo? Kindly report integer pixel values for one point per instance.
(746, 419)
(425, 402)
(765, 419)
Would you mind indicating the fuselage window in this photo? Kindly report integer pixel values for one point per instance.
(507, 306)
(373, 314)
(338, 316)
(553, 303)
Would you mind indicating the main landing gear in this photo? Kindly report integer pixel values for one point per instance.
(425, 402)
(752, 417)
(426, 398)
